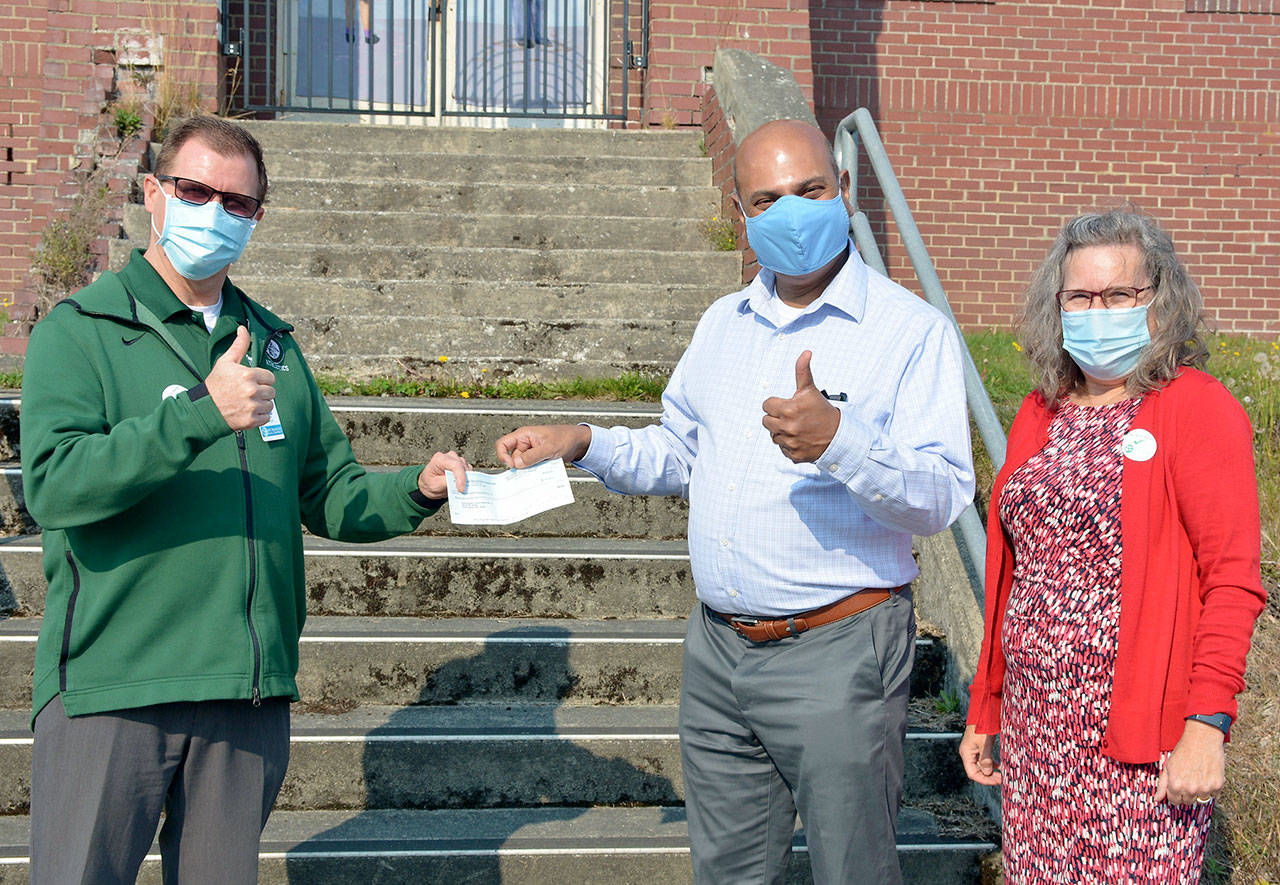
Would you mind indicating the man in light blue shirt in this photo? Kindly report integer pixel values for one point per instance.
(816, 422)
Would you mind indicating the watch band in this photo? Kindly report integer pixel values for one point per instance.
(1220, 721)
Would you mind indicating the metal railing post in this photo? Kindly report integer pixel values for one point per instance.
(860, 127)
(984, 413)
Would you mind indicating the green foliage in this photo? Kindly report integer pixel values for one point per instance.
(630, 386)
(127, 117)
(948, 703)
(64, 258)
(720, 233)
(10, 380)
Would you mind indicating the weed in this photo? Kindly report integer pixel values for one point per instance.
(127, 116)
(721, 234)
(630, 386)
(173, 85)
(947, 702)
(63, 261)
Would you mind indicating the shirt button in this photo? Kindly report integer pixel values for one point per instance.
(877, 497)
(833, 468)
(733, 592)
(732, 486)
(724, 542)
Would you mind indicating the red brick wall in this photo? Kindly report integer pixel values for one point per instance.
(59, 67)
(684, 36)
(1003, 120)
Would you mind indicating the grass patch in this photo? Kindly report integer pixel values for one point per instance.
(630, 386)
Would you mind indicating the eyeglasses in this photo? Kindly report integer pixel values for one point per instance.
(197, 193)
(1115, 298)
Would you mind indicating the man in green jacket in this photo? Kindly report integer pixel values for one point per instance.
(173, 443)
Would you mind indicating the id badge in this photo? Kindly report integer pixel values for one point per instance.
(273, 430)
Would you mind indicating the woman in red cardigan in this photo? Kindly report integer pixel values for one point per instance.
(1123, 572)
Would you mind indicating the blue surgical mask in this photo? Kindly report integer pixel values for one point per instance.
(201, 240)
(1106, 344)
(796, 236)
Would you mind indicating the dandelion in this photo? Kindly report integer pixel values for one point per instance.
(1235, 353)
(442, 359)
(1017, 347)
(483, 371)
(465, 395)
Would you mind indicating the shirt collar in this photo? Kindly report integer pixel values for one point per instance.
(847, 292)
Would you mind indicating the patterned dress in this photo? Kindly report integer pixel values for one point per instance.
(1072, 814)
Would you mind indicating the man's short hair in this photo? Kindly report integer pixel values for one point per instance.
(221, 136)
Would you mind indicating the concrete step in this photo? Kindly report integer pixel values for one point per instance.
(488, 756)
(360, 139)
(386, 430)
(419, 577)
(467, 369)
(348, 662)
(293, 299)
(596, 513)
(507, 344)
(530, 200)
(300, 260)
(497, 169)
(549, 231)
(528, 846)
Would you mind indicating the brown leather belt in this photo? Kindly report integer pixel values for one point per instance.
(766, 630)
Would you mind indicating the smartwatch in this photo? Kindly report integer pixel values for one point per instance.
(1220, 721)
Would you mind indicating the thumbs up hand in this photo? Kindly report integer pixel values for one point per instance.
(804, 425)
(243, 394)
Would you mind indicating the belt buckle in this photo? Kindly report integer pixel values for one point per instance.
(744, 621)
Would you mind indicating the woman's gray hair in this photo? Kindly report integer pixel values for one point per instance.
(1176, 307)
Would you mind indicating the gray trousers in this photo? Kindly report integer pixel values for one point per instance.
(814, 722)
(99, 783)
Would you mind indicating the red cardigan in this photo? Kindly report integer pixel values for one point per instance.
(1190, 578)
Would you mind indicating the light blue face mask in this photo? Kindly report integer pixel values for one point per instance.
(1106, 344)
(796, 236)
(201, 240)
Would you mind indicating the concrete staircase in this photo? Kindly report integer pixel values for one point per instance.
(514, 253)
(485, 705)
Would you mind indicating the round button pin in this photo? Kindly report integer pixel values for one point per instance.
(172, 390)
(1138, 445)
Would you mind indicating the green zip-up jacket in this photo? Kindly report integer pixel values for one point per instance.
(172, 545)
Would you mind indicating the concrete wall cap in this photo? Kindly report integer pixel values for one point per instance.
(753, 91)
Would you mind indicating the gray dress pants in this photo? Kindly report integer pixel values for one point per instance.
(814, 722)
(99, 783)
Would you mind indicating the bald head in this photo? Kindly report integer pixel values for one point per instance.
(784, 157)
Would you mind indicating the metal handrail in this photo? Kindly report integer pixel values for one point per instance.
(859, 127)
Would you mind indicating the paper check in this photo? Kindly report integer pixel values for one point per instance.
(503, 498)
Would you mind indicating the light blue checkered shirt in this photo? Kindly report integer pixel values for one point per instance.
(771, 537)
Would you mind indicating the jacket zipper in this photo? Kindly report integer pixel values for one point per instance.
(66, 626)
(253, 568)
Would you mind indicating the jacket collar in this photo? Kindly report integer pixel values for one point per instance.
(138, 281)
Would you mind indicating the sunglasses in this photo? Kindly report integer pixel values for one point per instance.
(197, 193)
